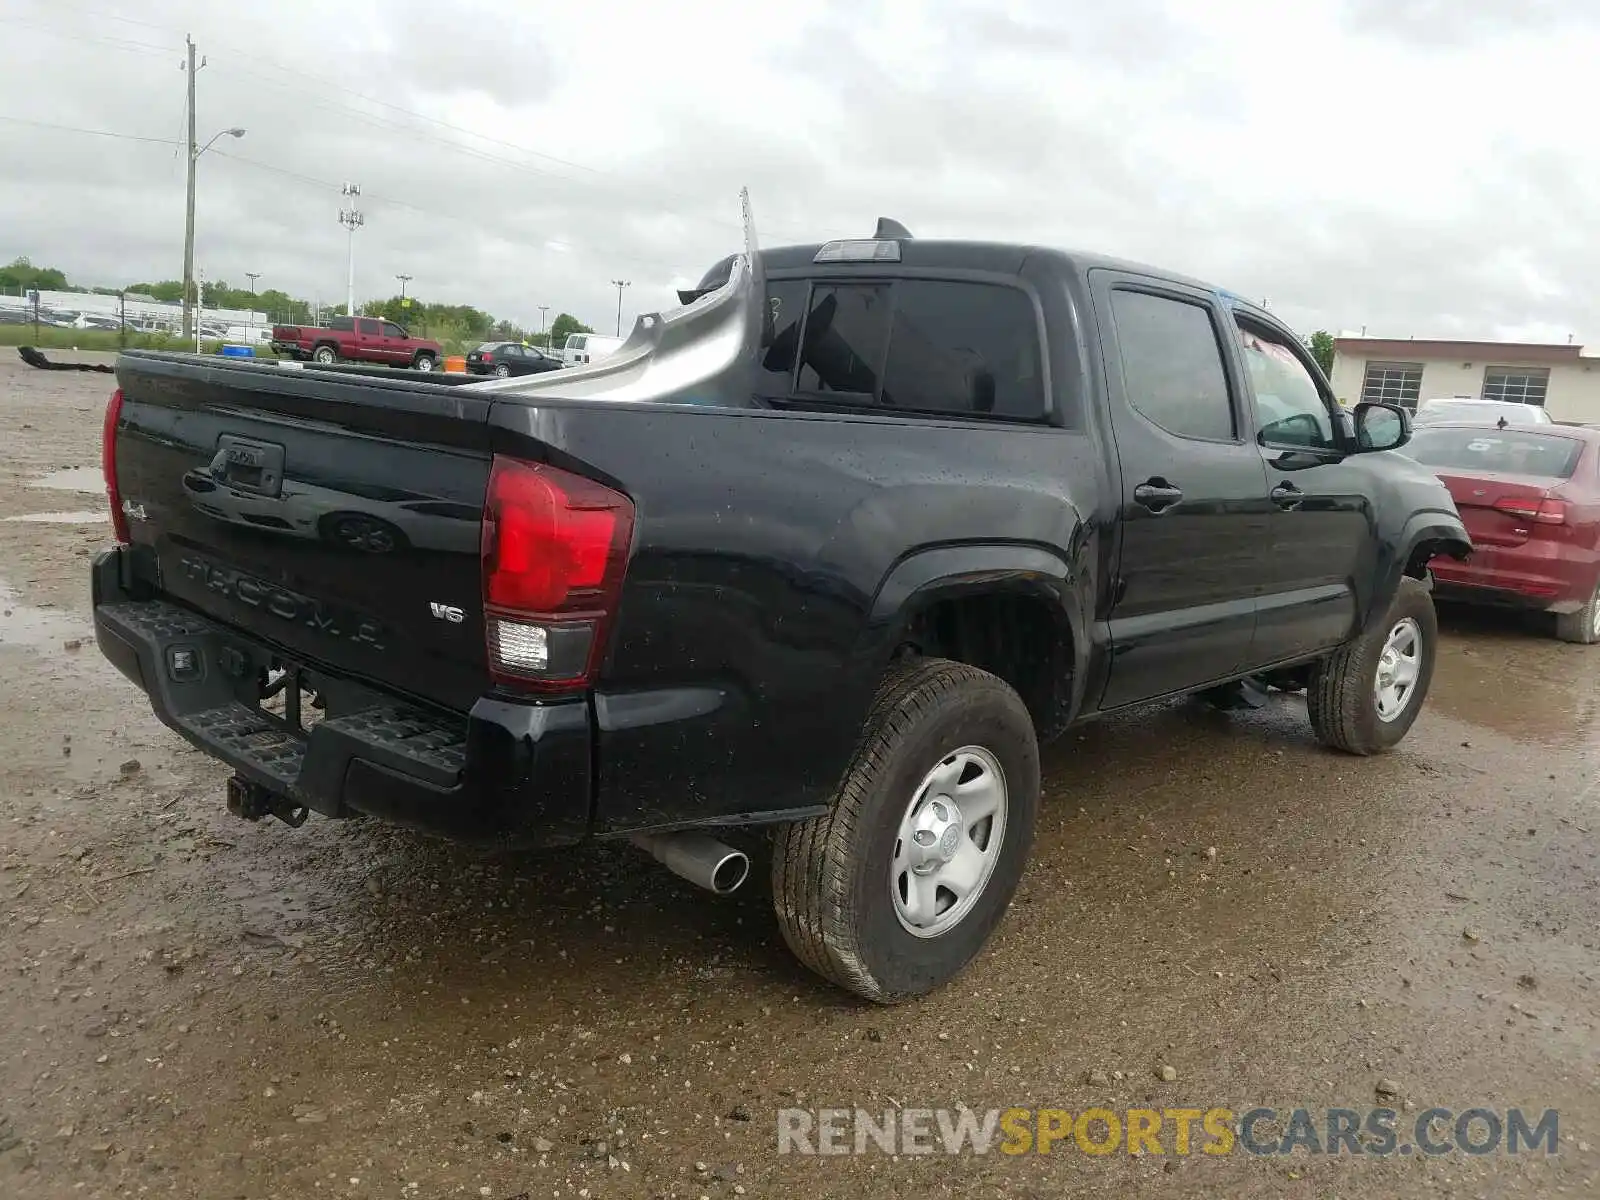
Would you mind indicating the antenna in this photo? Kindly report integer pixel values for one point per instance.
(890, 230)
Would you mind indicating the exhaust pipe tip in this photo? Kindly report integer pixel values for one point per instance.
(702, 860)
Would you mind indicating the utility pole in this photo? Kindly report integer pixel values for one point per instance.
(404, 279)
(188, 219)
(352, 220)
(252, 276)
(543, 308)
(619, 284)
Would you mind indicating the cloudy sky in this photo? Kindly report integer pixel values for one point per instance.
(1415, 167)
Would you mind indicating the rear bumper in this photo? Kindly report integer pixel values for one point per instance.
(1534, 575)
(507, 774)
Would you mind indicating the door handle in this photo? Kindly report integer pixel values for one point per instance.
(1286, 495)
(1157, 494)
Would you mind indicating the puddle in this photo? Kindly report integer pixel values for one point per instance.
(61, 518)
(72, 479)
(27, 625)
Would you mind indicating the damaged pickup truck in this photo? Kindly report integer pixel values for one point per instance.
(827, 552)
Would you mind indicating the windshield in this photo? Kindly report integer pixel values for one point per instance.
(1496, 451)
(1446, 410)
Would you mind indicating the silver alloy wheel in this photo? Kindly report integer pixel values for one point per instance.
(502, 370)
(1596, 622)
(425, 362)
(1399, 666)
(948, 842)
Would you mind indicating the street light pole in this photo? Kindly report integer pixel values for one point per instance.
(619, 284)
(543, 308)
(352, 220)
(191, 68)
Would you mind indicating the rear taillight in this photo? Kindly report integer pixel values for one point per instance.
(555, 548)
(1545, 511)
(487, 358)
(108, 466)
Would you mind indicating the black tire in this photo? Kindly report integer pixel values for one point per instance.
(502, 371)
(325, 355)
(831, 875)
(424, 362)
(1579, 627)
(1341, 697)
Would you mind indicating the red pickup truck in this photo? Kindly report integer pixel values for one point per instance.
(356, 339)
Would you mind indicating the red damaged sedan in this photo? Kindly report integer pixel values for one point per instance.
(1530, 499)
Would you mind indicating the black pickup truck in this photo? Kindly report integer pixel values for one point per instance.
(829, 550)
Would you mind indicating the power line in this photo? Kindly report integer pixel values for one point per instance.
(118, 43)
(108, 133)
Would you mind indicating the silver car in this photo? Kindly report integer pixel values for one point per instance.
(1484, 412)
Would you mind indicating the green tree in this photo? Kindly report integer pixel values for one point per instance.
(563, 325)
(21, 274)
(1321, 344)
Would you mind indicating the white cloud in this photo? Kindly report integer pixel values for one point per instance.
(1408, 165)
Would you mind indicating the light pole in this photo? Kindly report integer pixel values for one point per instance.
(543, 308)
(619, 284)
(194, 157)
(352, 220)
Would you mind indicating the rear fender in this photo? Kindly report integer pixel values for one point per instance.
(926, 577)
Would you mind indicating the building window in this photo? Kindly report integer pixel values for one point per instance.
(1392, 383)
(1518, 385)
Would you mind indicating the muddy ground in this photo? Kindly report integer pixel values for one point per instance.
(198, 1007)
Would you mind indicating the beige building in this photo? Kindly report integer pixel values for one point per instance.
(1562, 378)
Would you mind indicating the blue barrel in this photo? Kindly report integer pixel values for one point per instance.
(238, 352)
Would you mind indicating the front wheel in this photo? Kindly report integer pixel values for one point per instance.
(895, 889)
(424, 362)
(1365, 696)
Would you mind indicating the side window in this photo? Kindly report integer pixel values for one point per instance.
(969, 348)
(511, 350)
(368, 326)
(343, 324)
(1289, 409)
(390, 329)
(845, 334)
(786, 310)
(1172, 365)
(577, 341)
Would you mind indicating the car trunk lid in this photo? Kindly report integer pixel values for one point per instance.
(338, 521)
(1503, 510)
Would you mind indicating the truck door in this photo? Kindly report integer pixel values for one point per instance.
(369, 340)
(1193, 512)
(1321, 516)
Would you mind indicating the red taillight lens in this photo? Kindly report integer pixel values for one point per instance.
(108, 465)
(487, 358)
(555, 549)
(1545, 511)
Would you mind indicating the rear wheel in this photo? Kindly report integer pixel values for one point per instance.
(325, 355)
(1581, 627)
(502, 371)
(1365, 696)
(895, 889)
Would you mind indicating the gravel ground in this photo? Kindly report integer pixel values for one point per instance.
(194, 1006)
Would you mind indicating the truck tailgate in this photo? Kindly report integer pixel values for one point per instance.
(337, 518)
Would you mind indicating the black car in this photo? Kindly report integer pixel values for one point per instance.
(849, 538)
(510, 358)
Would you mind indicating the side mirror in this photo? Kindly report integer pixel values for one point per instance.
(1381, 427)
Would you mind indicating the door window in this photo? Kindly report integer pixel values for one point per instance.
(390, 329)
(1172, 365)
(1290, 410)
(367, 327)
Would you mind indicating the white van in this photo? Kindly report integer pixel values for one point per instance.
(583, 348)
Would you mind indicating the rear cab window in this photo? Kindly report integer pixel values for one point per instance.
(926, 347)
